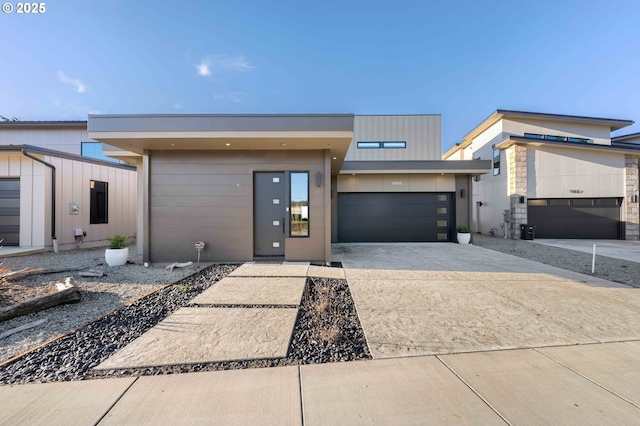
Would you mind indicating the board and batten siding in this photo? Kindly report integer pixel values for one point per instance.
(421, 132)
(208, 196)
(72, 185)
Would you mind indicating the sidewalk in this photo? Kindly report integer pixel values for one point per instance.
(587, 384)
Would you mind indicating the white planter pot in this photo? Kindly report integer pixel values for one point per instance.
(464, 238)
(116, 257)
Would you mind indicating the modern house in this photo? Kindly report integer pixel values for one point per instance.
(49, 192)
(284, 186)
(563, 174)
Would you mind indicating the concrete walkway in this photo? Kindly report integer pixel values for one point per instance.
(587, 385)
(459, 334)
(618, 249)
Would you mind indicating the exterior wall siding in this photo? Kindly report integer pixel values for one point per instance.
(421, 132)
(599, 134)
(72, 185)
(208, 196)
(396, 183)
(556, 172)
(65, 139)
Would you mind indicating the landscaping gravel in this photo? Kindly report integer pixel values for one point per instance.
(608, 268)
(321, 334)
(121, 285)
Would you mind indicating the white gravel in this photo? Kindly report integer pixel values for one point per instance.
(121, 285)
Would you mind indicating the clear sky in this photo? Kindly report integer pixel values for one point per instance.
(461, 59)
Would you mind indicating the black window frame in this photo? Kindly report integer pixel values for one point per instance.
(98, 202)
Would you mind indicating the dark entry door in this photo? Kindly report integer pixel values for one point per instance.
(10, 211)
(269, 212)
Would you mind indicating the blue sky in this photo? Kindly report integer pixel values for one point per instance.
(461, 59)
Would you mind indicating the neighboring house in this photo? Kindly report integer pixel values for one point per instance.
(48, 190)
(285, 186)
(563, 174)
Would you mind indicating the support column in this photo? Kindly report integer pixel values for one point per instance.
(517, 166)
(632, 228)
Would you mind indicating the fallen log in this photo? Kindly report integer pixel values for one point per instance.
(92, 273)
(30, 272)
(22, 328)
(67, 293)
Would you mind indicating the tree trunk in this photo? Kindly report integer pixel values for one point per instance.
(67, 293)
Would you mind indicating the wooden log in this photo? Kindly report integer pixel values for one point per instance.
(22, 328)
(67, 293)
(92, 273)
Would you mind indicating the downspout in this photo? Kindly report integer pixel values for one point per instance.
(53, 196)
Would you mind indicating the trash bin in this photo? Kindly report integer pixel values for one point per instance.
(527, 232)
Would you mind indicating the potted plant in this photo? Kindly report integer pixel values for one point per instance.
(464, 235)
(117, 253)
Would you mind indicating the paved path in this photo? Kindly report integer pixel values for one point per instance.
(459, 334)
(587, 385)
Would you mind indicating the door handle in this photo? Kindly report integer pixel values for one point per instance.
(283, 225)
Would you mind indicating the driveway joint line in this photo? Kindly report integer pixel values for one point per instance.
(473, 390)
(585, 377)
(115, 402)
(300, 393)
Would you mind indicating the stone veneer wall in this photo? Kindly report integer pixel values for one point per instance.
(517, 159)
(633, 211)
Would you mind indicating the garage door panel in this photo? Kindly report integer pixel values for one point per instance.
(10, 211)
(394, 217)
(576, 221)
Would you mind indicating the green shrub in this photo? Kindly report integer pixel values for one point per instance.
(463, 230)
(117, 241)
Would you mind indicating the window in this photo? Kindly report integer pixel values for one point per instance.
(496, 162)
(555, 138)
(394, 144)
(441, 197)
(582, 202)
(94, 150)
(536, 203)
(533, 136)
(441, 210)
(386, 145)
(99, 202)
(559, 202)
(579, 140)
(299, 208)
(368, 145)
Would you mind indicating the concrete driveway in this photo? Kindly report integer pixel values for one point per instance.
(618, 249)
(443, 298)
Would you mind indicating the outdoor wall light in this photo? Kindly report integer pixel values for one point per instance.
(318, 179)
(462, 193)
(634, 198)
(521, 200)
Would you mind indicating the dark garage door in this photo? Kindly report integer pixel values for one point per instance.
(395, 217)
(586, 218)
(10, 211)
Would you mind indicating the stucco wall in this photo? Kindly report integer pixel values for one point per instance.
(556, 172)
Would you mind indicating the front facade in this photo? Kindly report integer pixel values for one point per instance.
(264, 187)
(563, 174)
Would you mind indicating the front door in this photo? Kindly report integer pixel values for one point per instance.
(269, 212)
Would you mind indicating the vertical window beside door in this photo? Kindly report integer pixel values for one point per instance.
(99, 202)
(299, 207)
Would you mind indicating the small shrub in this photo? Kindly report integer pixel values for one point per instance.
(463, 230)
(117, 241)
(184, 288)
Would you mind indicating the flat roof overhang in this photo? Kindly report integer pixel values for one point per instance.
(458, 167)
(127, 134)
(614, 148)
